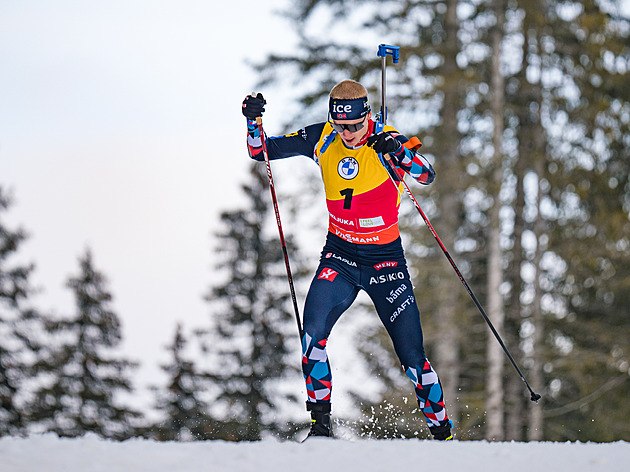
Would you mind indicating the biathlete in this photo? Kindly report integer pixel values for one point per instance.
(363, 249)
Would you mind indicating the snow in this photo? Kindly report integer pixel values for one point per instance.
(91, 454)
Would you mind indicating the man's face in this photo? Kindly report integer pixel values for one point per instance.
(350, 137)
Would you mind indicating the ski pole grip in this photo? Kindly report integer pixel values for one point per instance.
(258, 118)
(385, 50)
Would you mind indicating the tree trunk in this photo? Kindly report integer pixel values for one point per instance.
(447, 347)
(514, 418)
(494, 353)
(535, 416)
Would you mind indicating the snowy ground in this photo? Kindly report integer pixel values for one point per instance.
(47, 453)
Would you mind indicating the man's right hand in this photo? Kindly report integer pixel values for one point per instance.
(254, 106)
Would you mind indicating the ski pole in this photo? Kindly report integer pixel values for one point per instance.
(384, 51)
(279, 223)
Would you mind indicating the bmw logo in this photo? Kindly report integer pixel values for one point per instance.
(348, 168)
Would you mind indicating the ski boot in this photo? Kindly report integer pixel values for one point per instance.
(442, 432)
(320, 420)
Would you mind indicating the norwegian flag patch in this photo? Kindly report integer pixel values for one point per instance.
(328, 274)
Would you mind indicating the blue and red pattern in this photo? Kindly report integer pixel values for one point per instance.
(428, 392)
(316, 369)
(254, 143)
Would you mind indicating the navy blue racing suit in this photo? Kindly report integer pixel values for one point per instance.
(363, 251)
(381, 271)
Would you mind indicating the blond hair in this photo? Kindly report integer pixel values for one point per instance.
(348, 90)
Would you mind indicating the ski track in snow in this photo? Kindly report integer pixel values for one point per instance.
(48, 453)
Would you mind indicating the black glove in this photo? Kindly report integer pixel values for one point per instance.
(384, 143)
(253, 107)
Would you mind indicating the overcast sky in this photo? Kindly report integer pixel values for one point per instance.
(120, 130)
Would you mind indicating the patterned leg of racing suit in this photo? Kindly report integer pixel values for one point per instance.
(381, 271)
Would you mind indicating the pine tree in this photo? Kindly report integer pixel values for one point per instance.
(553, 116)
(560, 190)
(521, 94)
(81, 374)
(426, 92)
(496, 313)
(186, 413)
(585, 190)
(16, 319)
(253, 341)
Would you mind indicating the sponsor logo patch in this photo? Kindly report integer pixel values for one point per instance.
(327, 274)
(356, 239)
(408, 301)
(371, 222)
(382, 279)
(341, 220)
(394, 294)
(380, 265)
(348, 168)
(342, 259)
(341, 108)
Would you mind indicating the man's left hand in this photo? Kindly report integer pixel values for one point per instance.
(384, 143)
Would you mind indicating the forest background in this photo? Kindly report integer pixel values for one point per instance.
(523, 109)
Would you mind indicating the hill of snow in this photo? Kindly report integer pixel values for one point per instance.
(48, 453)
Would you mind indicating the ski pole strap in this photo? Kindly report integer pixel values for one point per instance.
(389, 167)
(329, 140)
(377, 129)
(413, 144)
